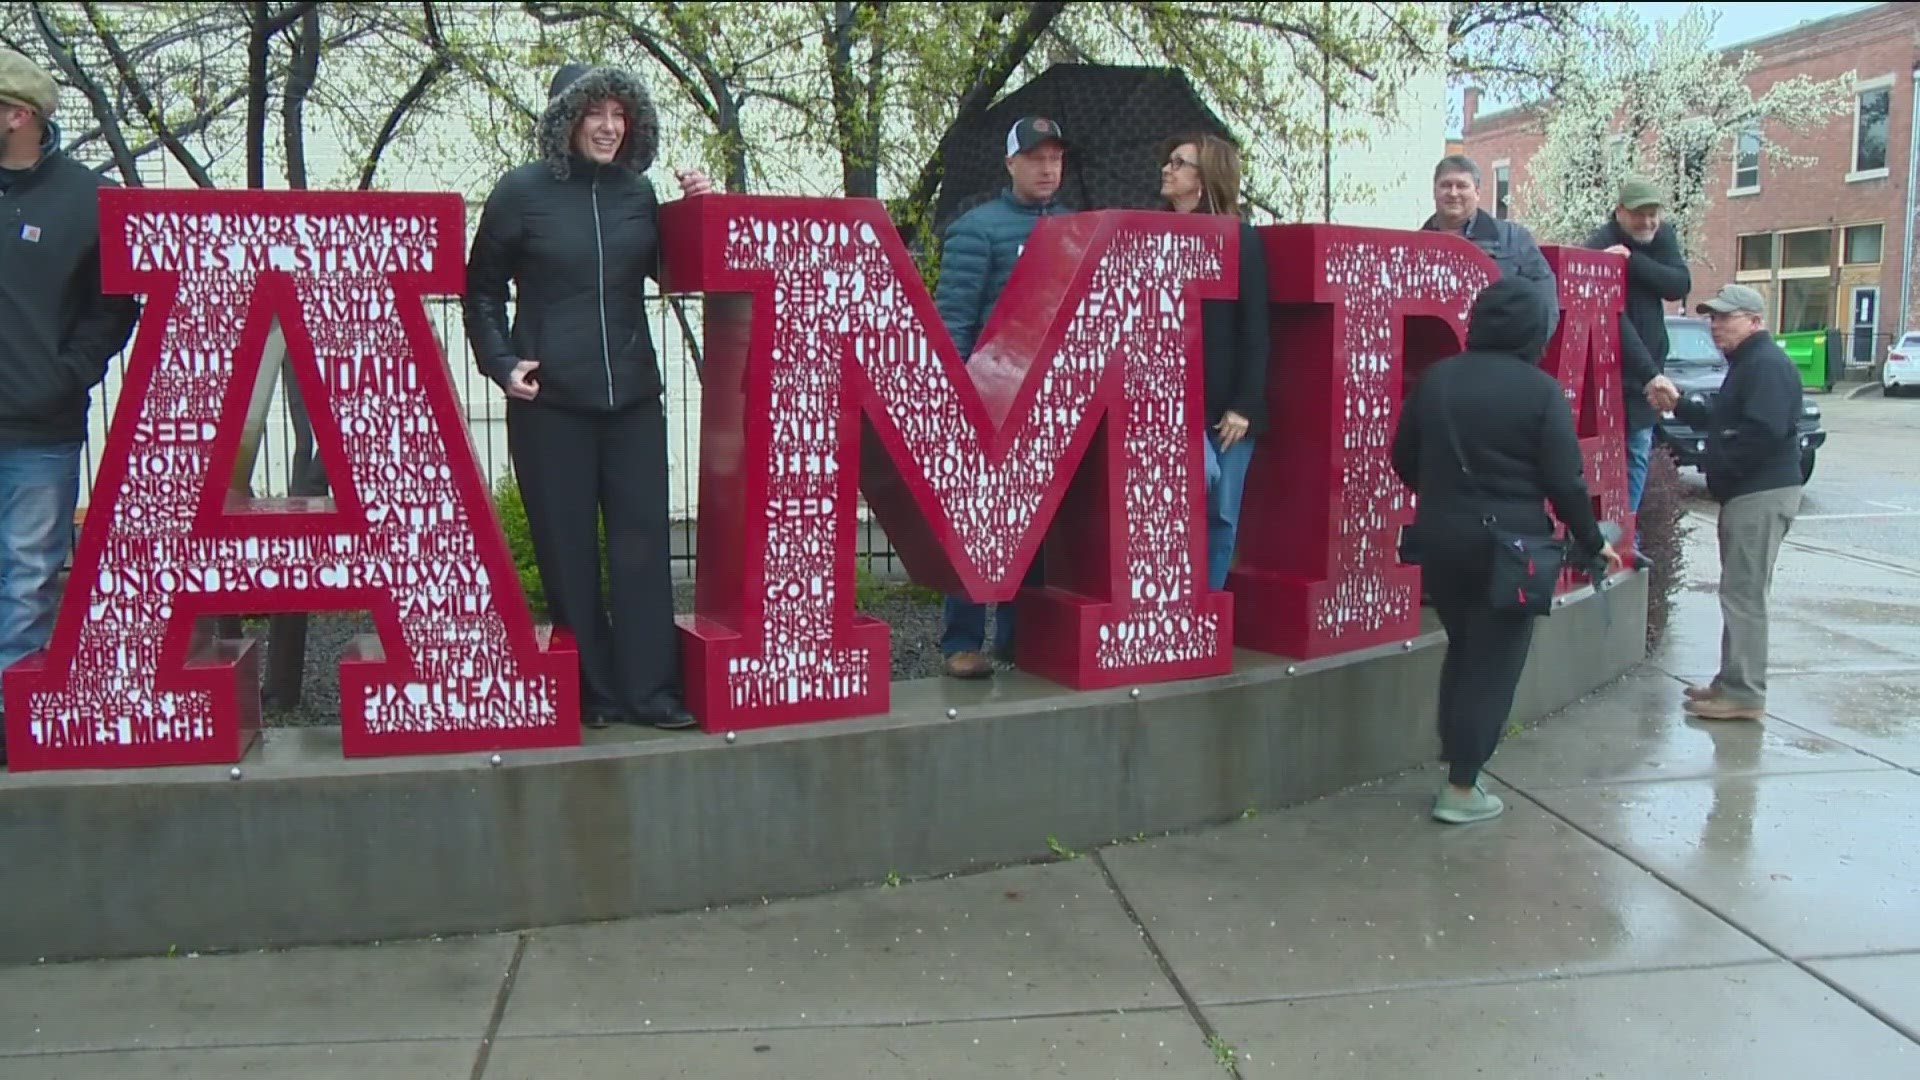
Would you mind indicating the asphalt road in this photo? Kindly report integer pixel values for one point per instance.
(1864, 498)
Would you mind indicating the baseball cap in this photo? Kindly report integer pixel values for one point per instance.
(23, 82)
(1733, 298)
(1031, 132)
(1638, 194)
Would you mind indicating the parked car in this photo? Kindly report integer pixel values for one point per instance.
(1695, 365)
(1901, 372)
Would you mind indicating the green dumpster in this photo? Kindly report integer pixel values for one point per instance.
(1808, 351)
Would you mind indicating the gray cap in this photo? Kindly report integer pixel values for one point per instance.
(1733, 298)
(23, 82)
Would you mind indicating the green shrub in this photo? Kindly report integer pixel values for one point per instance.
(1661, 535)
(869, 591)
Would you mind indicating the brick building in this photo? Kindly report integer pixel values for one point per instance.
(1829, 244)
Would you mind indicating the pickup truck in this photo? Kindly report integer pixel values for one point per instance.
(1696, 366)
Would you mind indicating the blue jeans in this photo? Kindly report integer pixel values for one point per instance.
(1639, 452)
(966, 622)
(39, 487)
(1226, 482)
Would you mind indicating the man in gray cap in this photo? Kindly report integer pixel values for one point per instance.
(1656, 273)
(1753, 469)
(57, 332)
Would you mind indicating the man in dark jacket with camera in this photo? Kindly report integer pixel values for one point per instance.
(1656, 272)
(1753, 469)
(976, 259)
(578, 233)
(57, 333)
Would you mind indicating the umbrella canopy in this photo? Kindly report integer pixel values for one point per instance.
(1116, 119)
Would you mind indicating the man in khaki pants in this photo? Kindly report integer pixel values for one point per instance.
(1753, 469)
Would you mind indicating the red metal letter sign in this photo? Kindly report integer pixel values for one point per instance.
(836, 349)
(1355, 312)
(127, 680)
(1585, 356)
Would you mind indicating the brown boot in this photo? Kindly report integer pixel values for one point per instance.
(1722, 709)
(969, 665)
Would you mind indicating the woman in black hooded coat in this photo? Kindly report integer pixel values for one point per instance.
(577, 234)
(1516, 432)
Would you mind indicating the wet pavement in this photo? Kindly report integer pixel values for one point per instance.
(1665, 897)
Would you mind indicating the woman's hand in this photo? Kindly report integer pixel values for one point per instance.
(522, 383)
(695, 182)
(1614, 561)
(1232, 428)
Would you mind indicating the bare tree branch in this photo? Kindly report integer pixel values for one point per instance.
(293, 13)
(185, 131)
(143, 101)
(103, 109)
(441, 63)
(989, 79)
(302, 74)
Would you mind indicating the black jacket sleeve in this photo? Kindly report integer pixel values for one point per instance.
(1767, 409)
(1694, 411)
(1250, 317)
(1562, 474)
(100, 331)
(490, 271)
(1661, 266)
(1636, 360)
(1406, 440)
(1531, 264)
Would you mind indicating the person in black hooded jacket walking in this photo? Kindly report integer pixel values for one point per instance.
(578, 234)
(1515, 431)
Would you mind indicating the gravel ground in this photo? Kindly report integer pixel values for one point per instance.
(914, 619)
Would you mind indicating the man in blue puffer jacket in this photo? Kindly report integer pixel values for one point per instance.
(976, 258)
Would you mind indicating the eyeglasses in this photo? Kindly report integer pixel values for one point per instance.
(1178, 162)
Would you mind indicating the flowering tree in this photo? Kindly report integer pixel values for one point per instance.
(1663, 104)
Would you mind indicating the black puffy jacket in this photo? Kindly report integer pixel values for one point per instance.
(578, 240)
(1512, 423)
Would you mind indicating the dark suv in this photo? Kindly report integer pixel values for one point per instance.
(1696, 366)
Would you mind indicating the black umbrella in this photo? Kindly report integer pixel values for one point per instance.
(1116, 120)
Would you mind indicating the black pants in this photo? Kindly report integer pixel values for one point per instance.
(1485, 654)
(574, 467)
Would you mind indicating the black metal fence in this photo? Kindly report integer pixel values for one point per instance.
(484, 407)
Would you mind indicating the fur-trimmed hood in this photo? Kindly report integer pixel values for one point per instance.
(574, 88)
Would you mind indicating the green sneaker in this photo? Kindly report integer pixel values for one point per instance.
(1456, 809)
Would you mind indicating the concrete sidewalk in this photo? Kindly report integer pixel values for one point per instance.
(1664, 898)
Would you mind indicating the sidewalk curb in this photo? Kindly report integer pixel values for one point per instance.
(1862, 390)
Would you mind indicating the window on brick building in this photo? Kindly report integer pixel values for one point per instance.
(1746, 162)
(1806, 250)
(1756, 252)
(1871, 109)
(1502, 190)
(1805, 304)
(1863, 244)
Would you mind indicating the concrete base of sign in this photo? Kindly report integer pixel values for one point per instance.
(303, 847)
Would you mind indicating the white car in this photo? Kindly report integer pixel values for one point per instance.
(1901, 372)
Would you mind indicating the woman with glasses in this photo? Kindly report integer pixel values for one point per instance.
(1200, 174)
